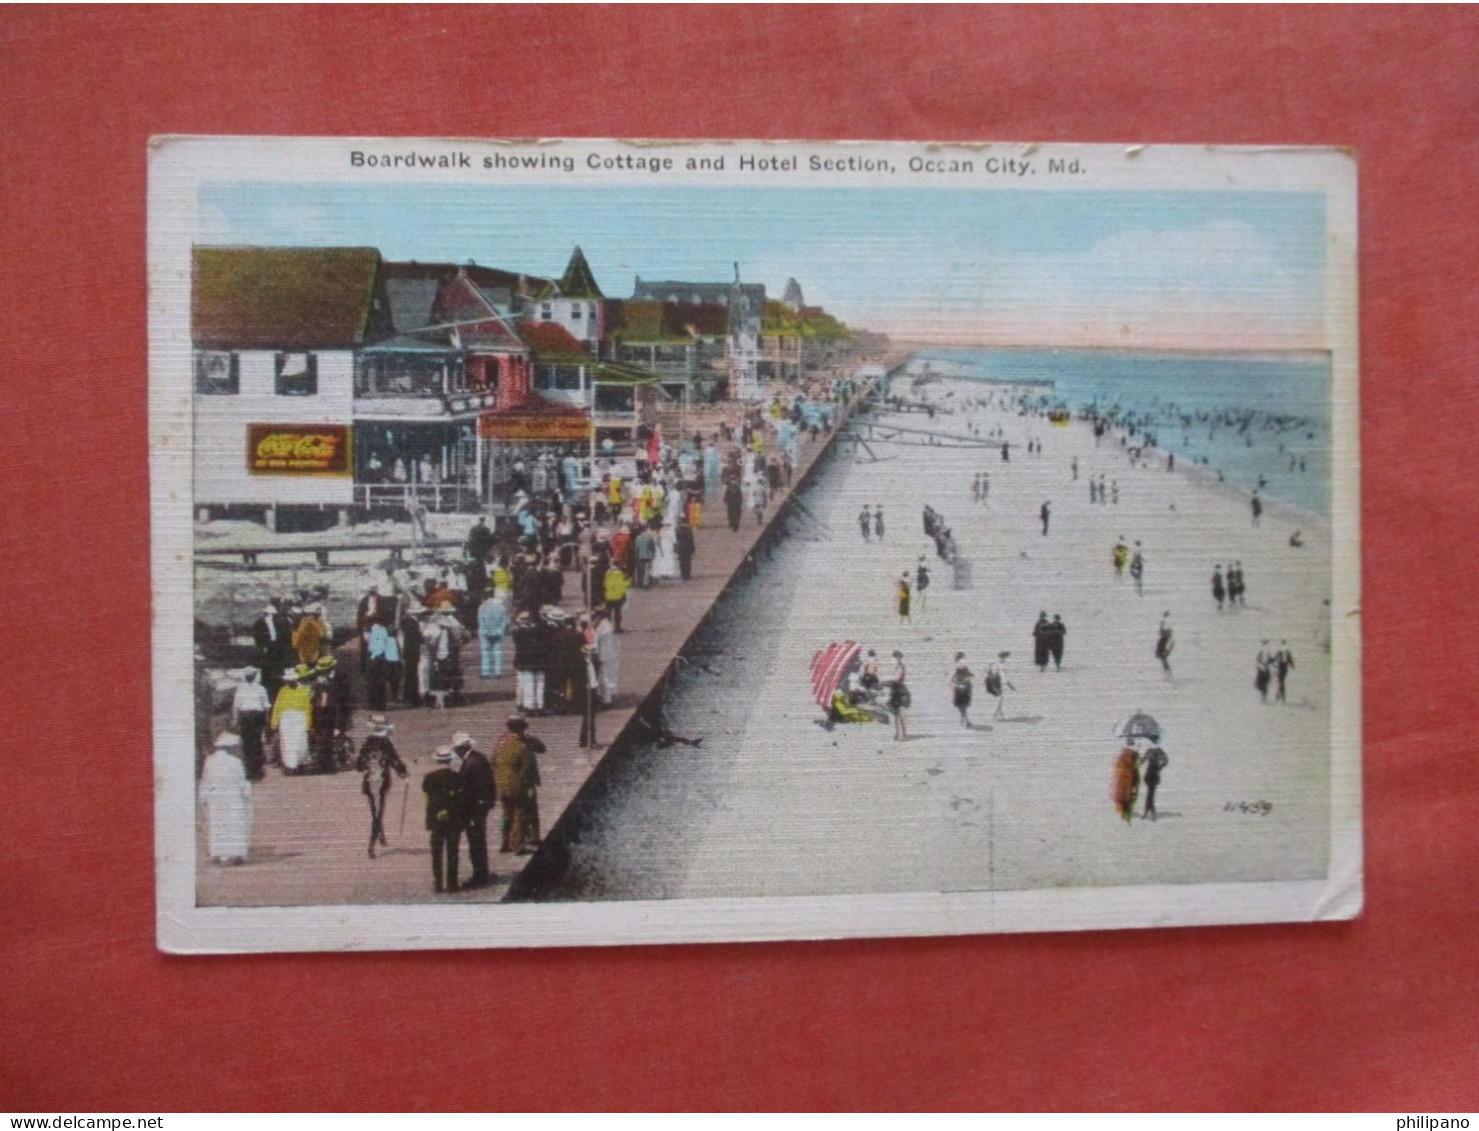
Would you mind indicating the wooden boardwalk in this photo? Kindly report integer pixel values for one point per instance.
(310, 834)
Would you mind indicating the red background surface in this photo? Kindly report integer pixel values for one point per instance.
(1379, 1013)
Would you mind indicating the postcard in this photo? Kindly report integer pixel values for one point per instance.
(588, 542)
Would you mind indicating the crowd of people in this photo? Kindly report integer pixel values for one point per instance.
(862, 694)
(617, 525)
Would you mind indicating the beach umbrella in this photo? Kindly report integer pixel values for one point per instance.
(828, 666)
(1141, 725)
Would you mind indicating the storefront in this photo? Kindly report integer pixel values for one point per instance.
(435, 464)
(535, 430)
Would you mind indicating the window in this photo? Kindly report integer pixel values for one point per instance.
(567, 377)
(545, 312)
(217, 374)
(297, 375)
(614, 398)
(575, 311)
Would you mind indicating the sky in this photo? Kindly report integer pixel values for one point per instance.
(1142, 268)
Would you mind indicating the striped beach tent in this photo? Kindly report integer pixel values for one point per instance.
(828, 666)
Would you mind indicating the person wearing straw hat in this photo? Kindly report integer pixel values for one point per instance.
(493, 626)
(516, 774)
(445, 818)
(272, 635)
(309, 636)
(249, 709)
(377, 760)
(291, 715)
(478, 797)
(331, 713)
(227, 797)
(532, 639)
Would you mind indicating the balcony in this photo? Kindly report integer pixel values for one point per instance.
(397, 389)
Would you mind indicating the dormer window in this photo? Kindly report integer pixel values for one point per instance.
(217, 374)
(297, 375)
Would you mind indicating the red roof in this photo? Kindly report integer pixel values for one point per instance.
(459, 303)
(551, 342)
(706, 319)
(458, 300)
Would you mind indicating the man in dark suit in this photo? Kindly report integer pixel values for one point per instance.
(369, 613)
(377, 761)
(410, 658)
(273, 637)
(683, 542)
(445, 817)
(332, 712)
(1056, 641)
(478, 798)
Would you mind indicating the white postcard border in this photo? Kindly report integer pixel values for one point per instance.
(179, 165)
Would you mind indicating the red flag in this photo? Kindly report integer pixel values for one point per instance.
(654, 446)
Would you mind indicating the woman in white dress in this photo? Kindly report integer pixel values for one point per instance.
(227, 797)
(608, 654)
(666, 566)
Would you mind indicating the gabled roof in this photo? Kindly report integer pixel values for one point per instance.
(552, 343)
(578, 281)
(635, 320)
(461, 307)
(660, 290)
(646, 321)
(410, 302)
(492, 333)
(284, 297)
(488, 279)
(705, 319)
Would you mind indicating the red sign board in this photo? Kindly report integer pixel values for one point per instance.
(299, 449)
(534, 426)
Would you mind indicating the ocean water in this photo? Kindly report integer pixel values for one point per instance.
(1260, 420)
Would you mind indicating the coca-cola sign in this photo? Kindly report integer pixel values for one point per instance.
(298, 449)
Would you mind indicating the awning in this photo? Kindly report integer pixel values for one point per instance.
(615, 373)
(538, 420)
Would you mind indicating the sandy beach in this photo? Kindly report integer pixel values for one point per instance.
(773, 805)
